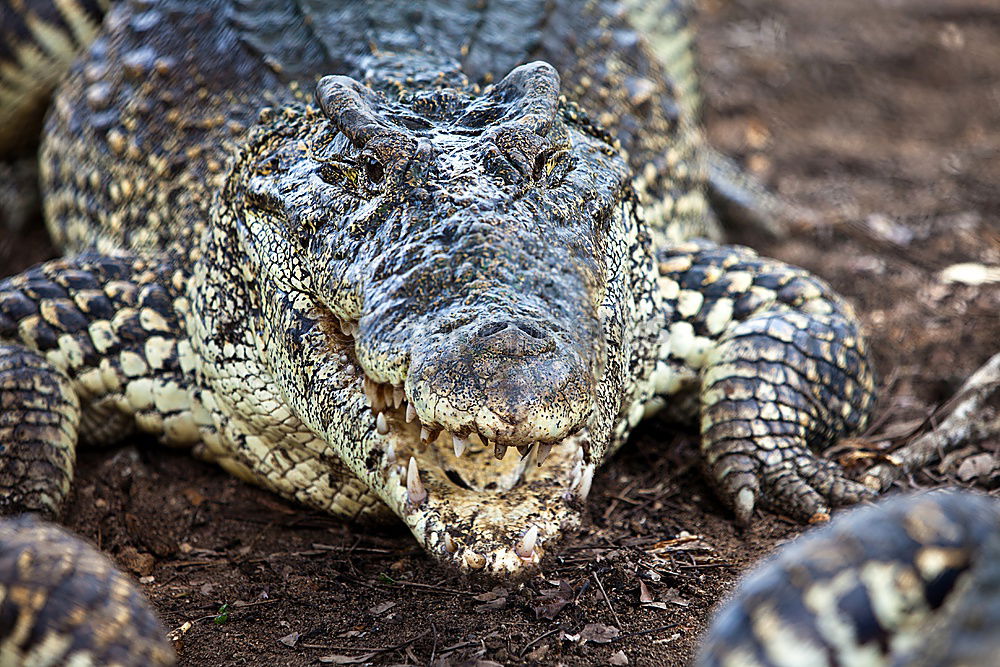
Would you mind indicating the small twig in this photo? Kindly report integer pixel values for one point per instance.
(965, 423)
(351, 549)
(535, 641)
(618, 623)
(661, 628)
(429, 587)
(369, 649)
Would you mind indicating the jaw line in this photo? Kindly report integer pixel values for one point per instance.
(483, 532)
(479, 532)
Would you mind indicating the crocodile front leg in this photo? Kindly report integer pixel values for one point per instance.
(779, 368)
(92, 346)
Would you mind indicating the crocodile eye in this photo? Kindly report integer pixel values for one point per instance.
(373, 169)
(553, 165)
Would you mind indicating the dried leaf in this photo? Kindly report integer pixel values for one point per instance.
(644, 595)
(598, 633)
(291, 639)
(553, 600)
(382, 607)
(619, 658)
(673, 596)
(499, 603)
(490, 596)
(976, 467)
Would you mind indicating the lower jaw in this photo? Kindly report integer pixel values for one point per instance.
(479, 514)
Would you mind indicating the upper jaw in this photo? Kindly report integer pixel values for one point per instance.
(471, 503)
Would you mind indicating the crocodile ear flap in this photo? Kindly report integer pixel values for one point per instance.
(527, 98)
(352, 107)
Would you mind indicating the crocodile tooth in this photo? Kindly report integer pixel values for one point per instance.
(373, 395)
(474, 560)
(411, 413)
(499, 451)
(346, 328)
(397, 397)
(544, 449)
(415, 491)
(459, 443)
(449, 543)
(390, 454)
(429, 433)
(586, 479)
(524, 450)
(381, 425)
(526, 546)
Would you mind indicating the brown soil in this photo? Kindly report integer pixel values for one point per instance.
(884, 118)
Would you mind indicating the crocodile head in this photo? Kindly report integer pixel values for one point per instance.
(456, 276)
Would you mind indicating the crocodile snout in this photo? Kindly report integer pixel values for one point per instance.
(512, 381)
(513, 338)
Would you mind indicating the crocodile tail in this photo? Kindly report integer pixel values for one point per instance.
(666, 25)
(38, 41)
(64, 603)
(743, 202)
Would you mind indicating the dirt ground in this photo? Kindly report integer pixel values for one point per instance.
(884, 117)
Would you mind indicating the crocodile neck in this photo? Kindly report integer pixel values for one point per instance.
(399, 73)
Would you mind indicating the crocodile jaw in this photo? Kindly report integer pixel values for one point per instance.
(493, 533)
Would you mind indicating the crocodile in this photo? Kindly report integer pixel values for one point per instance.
(354, 253)
(913, 580)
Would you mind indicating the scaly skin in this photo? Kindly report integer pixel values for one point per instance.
(912, 581)
(297, 256)
(64, 603)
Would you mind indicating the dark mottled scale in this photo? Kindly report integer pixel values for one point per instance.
(64, 315)
(693, 278)
(15, 306)
(722, 287)
(156, 297)
(746, 304)
(76, 280)
(95, 303)
(772, 281)
(122, 292)
(130, 330)
(107, 268)
(41, 335)
(43, 288)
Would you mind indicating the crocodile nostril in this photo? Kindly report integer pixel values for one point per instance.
(491, 329)
(531, 330)
(515, 338)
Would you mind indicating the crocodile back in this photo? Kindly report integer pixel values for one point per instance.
(141, 131)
